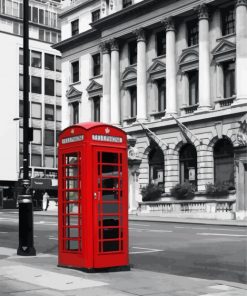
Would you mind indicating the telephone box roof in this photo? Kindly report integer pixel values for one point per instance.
(90, 125)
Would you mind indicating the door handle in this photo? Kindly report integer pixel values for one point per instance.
(95, 195)
(98, 195)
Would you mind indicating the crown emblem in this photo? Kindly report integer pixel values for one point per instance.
(72, 131)
(107, 130)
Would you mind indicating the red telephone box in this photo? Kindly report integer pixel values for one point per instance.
(93, 197)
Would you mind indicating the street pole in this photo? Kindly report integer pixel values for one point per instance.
(26, 247)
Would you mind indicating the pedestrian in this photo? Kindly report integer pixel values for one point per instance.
(45, 201)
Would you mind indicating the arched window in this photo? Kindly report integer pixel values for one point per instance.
(188, 164)
(156, 166)
(223, 162)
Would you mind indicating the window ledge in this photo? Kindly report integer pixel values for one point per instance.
(75, 83)
(226, 36)
(225, 102)
(128, 121)
(157, 114)
(189, 109)
(95, 77)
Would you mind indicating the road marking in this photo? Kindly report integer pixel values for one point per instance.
(7, 251)
(179, 227)
(221, 234)
(144, 225)
(221, 229)
(145, 250)
(3, 232)
(149, 230)
(47, 279)
(52, 237)
(9, 220)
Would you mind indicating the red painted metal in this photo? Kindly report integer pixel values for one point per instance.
(93, 197)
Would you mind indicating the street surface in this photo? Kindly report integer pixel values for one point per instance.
(200, 251)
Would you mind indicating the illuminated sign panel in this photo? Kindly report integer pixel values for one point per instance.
(104, 138)
(72, 139)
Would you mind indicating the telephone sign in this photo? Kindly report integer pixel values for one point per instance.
(93, 197)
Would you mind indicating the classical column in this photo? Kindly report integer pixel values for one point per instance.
(141, 75)
(204, 62)
(171, 105)
(115, 83)
(241, 51)
(105, 107)
(185, 90)
(219, 82)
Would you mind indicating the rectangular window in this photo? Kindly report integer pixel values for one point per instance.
(49, 112)
(58, 113)
(21, 108)
(41, 35)
(95, 15)
(75, 71)
(132, 52)
(49, 87)
(133, 101)
(75, 112)
(49, 161)
(161, 43)
(20, 82)
(37, 136)
(127, 3)
(36, 109)
(96, 64)
(193, 34)
(229, 79)
(53, 37)
(21, 10)
(58, 88)
(15, 8)
(75, 27)
(47, 18)
(16, 28)
(228, 20)
(49, 137)
(193, 87)
(41, 16)
(36, 160)
(161, 95)
(58, 64)
(96, 109)
(36, 59)
(47, 36)
(20, 55)
(36, 85)
(49, 62)
(35, 14)
(21, 135)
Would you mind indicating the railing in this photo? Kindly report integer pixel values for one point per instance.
(224, 102)
(189, 109)
(211, 208)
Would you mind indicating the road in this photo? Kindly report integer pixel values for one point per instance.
(203, 251)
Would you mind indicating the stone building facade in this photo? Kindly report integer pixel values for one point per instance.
(177, 68)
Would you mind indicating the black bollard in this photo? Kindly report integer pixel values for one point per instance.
(26, 247)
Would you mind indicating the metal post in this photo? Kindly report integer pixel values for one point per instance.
(26, 247)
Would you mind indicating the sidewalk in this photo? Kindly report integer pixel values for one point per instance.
(23, 276)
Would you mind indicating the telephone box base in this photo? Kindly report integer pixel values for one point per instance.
(95, 270)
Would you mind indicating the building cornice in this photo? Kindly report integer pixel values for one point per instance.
(67, 11)
(75, 40)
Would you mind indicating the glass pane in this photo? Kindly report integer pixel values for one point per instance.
(72, 232)
(111, 220)
(72, 195)
(71, 184)
(108, 157)
(71, 220)
(109, 195)
(109, 233)
(110, 183)
(72, 245)
(110, 246)
(72, 209)
(71, 158)
(109, 170)
(110, 208)
(72, 172)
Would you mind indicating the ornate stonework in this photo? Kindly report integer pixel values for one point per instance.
(241, 3)
(104, 47)
(242, 134)
(169, 24)
(202, 11)
(140, 34)
(114, 44)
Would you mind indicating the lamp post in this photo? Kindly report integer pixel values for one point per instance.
(26, 247)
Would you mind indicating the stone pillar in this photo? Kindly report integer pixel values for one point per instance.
(241, 51)
(185, 90)
(115, 83)
(141, 75)
(204, 61)
(219, 82)
(105, 107)
(171, 105)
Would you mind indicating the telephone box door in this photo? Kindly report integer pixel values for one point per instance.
(110, 207)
